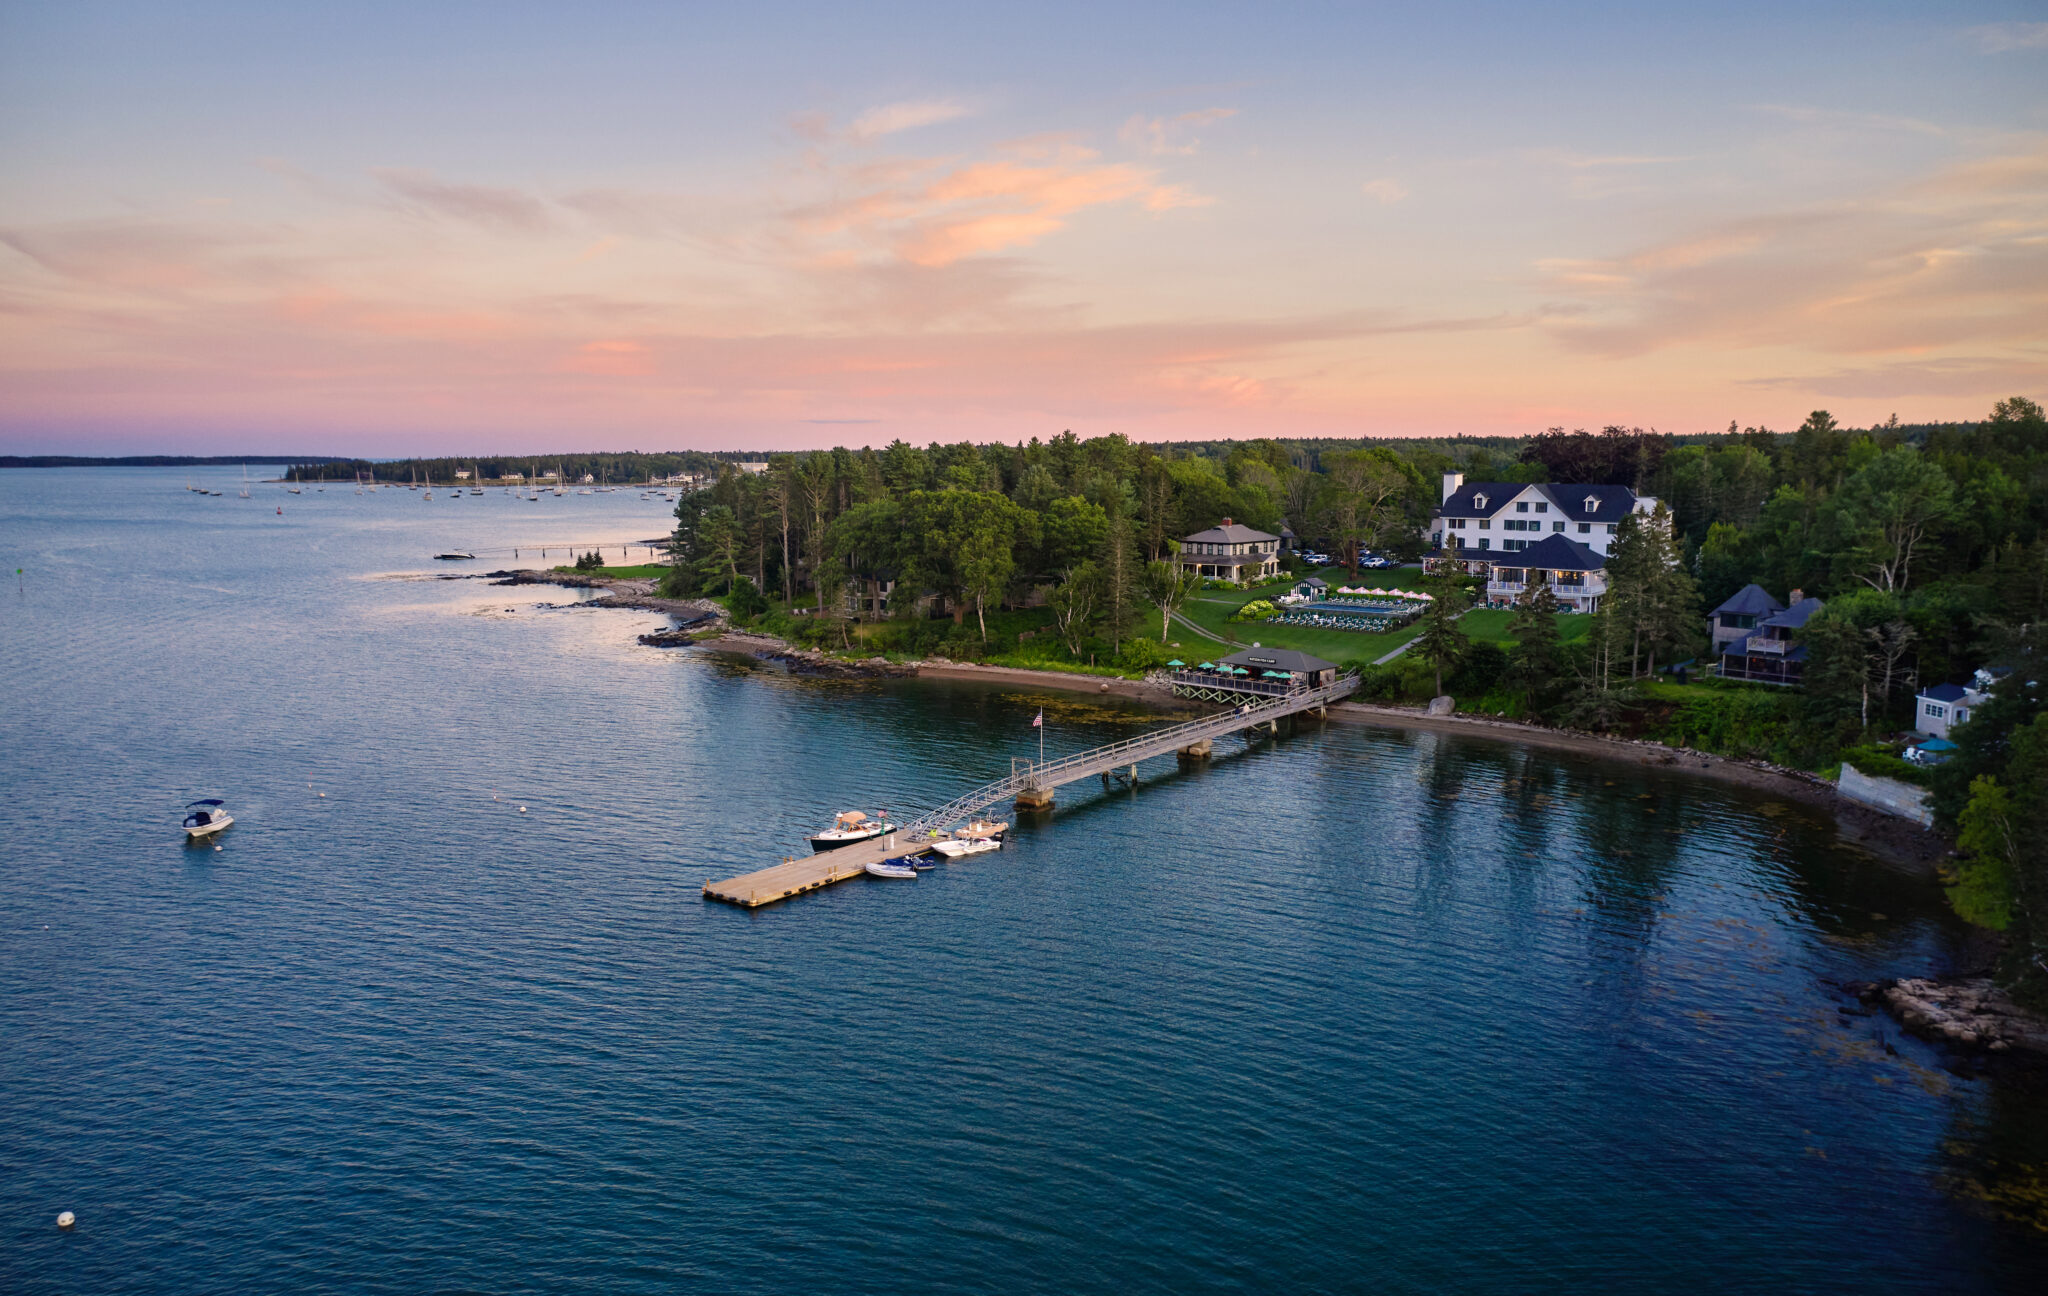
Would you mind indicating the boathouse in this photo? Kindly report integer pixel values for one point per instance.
(1252, 674)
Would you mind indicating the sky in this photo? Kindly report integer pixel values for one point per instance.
(493, 228)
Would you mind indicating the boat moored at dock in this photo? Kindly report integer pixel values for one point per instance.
(850, 827)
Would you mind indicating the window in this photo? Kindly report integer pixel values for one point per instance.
(1936, 710)
(1514, 544)
(1557, 526)
(1483, 542)
(1962, 714)
(1483, 524)
(1592, 503)
(1585, 528)
(1543, 508)
(1479, 501)
(1571, 578)
(1612, 528)
(1521, 506)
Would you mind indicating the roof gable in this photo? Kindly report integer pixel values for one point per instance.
(1750, 600)
(1797, 615)
(1608, 503)
(1945, 693)
(1235, 533)
(1554, 551)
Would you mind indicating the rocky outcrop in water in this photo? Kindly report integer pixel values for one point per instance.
(1968, 1011)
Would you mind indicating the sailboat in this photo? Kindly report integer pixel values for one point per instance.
(294, 487)
(245, 481)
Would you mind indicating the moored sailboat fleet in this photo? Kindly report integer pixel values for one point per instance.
(977, 838)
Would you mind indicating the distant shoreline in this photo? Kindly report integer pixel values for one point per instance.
(161, 461)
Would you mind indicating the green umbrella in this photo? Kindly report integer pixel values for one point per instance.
(1176, 662)
(1208, 666)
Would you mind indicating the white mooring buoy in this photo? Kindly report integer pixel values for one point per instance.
(522, 809)
(216, 847)
(65, 1219)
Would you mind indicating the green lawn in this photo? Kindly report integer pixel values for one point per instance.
(1211, 610)
(1491, 625)
(641, 571)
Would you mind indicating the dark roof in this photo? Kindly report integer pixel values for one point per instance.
(1797, 615)
(1553, 551)
(1610, 503)
(1750, 600)
(1277, 659)
(1497, 495)
(1235, 533)
(1314, 580)
(1945, 693)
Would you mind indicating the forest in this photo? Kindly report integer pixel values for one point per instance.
(1929, 544)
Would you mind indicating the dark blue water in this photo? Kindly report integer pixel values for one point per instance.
(1354, 1009)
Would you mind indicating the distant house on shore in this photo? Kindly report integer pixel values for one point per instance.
(462, 474)
(754, 469)
(1768, 654)
(1231, 551)
(1939, 709)
(1739, 615)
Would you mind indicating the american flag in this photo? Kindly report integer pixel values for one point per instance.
(1038, 720)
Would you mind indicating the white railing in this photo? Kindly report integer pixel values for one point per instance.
(1050, 774)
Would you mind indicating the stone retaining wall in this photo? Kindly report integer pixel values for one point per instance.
(1888, 795)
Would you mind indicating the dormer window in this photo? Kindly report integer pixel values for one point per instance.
(1592, 503)
(1479, 501)
(1542, 507)
(1521, 506)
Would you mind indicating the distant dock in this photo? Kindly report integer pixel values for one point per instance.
(1030, 784)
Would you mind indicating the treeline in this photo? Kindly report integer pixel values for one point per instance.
(1084, 526)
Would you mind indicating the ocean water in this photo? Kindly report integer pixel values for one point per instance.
(1349, 1009)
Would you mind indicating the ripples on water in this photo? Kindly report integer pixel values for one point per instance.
(1353, 1009)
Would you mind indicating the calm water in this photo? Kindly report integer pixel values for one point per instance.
(1350, 1010)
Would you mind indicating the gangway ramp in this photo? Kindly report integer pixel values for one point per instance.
(1029, 779)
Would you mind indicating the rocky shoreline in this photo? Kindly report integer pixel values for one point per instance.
(1964, 1011)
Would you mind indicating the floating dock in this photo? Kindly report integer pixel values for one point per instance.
(1030, 783)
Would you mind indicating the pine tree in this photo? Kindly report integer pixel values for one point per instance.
(1534, 630)
(1442, 641)
(1123, 579)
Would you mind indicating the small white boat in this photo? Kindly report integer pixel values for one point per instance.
(884, 869)
(850, 827)
(961, 848)
(205, 818)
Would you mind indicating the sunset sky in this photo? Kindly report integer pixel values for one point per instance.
(430, 227)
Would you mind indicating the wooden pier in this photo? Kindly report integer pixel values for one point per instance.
(1030, 783)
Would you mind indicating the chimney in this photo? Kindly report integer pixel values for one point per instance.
(1451, 483)
(1226, 521)
(1796, 596)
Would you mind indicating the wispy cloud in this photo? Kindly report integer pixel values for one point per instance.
(1385, 191)
(1171, 136)
(1840, 119)
(889, 119)
(484, 205)
(1955, 259)
(2004, 37)
(1572, 160)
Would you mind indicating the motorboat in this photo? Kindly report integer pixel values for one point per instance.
(457, 556)
(961, 847)
(890, 869)
(850, 827)
(205, 818)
